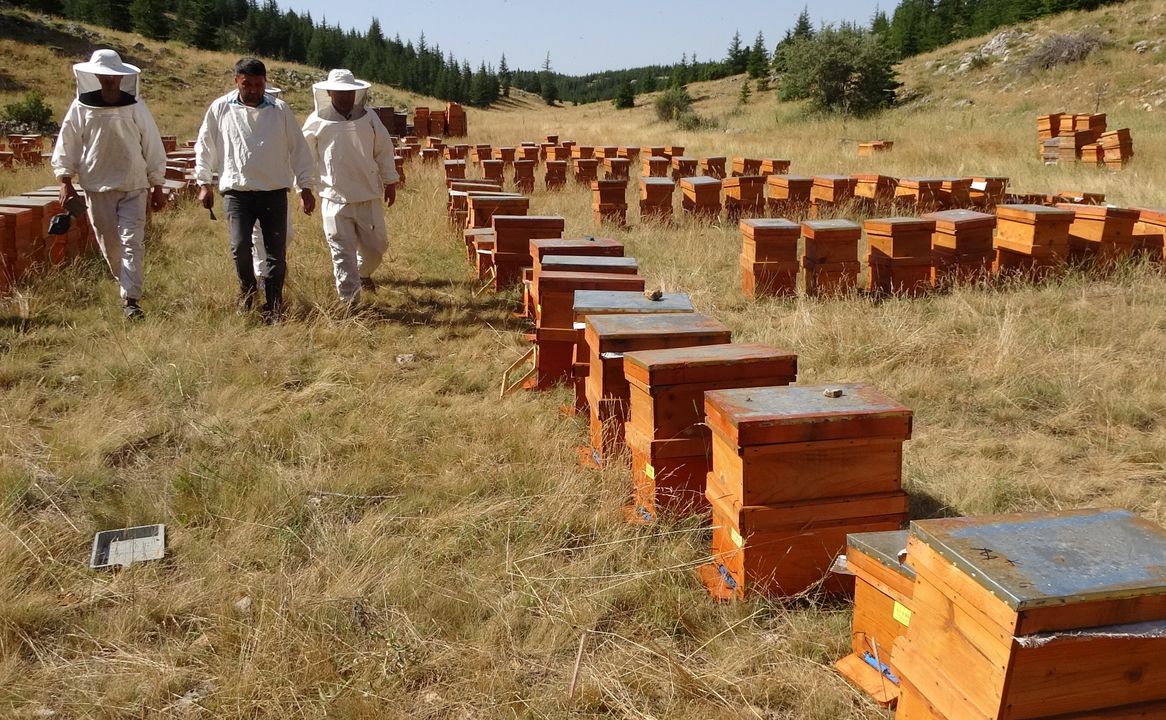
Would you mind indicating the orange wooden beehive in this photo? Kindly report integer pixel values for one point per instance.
(586, 170)
(493, 171)
(1150, 233)
(524, 175)
(961, 246)
(878, 190)
(919, 194)
(42, 210)
(899, 255)
(608, 337)
(1036, 615)
(987, 191)
(830, 262)
(589, 302)
(669, 443)
(455, 169)
(656, 197)
(608, 201)
(883, 585)
(713, 167)
(555, 174)
(746, 166)
(773, 166)
(954, 192)
(512, 236)
(1100, 233)
(683, 167)
(1031, 239)
(617, 168)
(831, 191)
(744, 196)
(655, 166)
(769, 257)
(582, 152)
(554, 298)
(788, 195)
(794, 470)
(701, 196)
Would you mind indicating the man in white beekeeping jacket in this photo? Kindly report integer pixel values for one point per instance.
(253, 142)
(354, 157)
(111, 145)
(258, 254)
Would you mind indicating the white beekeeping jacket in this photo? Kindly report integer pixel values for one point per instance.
(252, 148)
(354, 157)
(107, 147)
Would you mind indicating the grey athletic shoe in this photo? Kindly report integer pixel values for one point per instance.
(132, 310)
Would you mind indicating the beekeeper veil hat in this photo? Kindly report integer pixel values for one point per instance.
(340, 79)
(106, 62)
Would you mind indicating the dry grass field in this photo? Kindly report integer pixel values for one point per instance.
(358, 535)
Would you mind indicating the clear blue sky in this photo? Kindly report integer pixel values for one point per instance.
(583, 37)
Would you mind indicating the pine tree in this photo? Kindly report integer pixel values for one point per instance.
(626, 96)
(758, 63)
(803, 28)
(148, 17)
(743, 96)
(504, 76)
(879, 24)
(204, 32)
(548, 88)
(738, 57)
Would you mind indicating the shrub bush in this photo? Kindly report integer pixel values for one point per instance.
(32, 110)
(1062, 50)
(672, 103)
(840, 70)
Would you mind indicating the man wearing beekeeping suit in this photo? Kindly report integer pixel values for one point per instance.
(354, 157)
(253, 142)
(111, 145)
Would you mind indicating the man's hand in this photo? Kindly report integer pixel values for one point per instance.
(157, 198)
(206, 196)
(67, 191)
(308, 200)
(390, 194)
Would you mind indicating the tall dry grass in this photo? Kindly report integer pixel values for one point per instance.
(352, 536)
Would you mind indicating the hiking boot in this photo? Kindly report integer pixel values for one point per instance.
(132, 310)
(367, 284)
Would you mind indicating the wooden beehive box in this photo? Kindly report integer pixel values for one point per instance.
(608, 337)
(540, 247)
(919, 194)
(877, 188)
(554, 293)
(883, 585)
(556, 174)
(514, 232)
(554, 297)
(42, 210)
(607, 151)
(955, 192)
(657, 190)
(828, 242)
(524, 175)
(672, 151)
(773, 166)
(987, 191)
(559, 153)
(1035, 230)
(769, 240)
(794, 470)
(472, 237)
(787, 193)
(683, 167)
(832, 190)
(629, 152)
(1150, 232)
(455, 169)
(961, 246)
(586, 170)
(586, 263)
(481, 207)
(653, 151)
(655, 166)
(1101, 233)
(493, 171)
(527, 152)
(713, 167)
(701, 195)
(608, 191)
(746, 166)
(582, 152)
(1037, 615)
(744, 195)
(617, 168)
(899, 254)
(669, 443)
(19, 242)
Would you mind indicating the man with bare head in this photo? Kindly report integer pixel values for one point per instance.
(111, 145)
(253, 142)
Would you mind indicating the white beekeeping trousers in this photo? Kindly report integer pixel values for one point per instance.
(259, 252)
(119, 224)
(358, 240)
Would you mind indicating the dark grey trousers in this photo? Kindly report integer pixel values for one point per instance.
(244, 208)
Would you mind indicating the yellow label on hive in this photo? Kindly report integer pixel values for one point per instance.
(902, 613)
(650, 471)
(736, 537)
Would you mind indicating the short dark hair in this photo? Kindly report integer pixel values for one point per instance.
(251, 66)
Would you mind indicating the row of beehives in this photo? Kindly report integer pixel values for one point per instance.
(966, 618)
